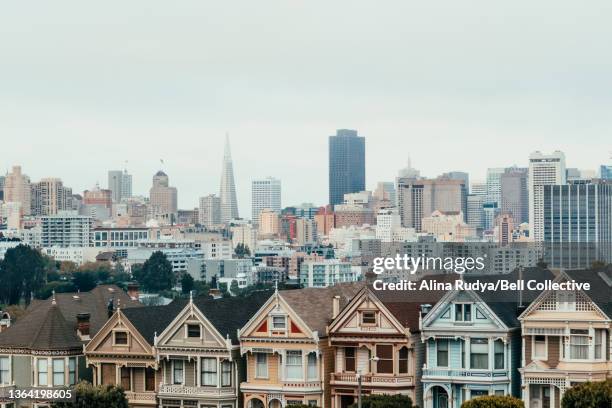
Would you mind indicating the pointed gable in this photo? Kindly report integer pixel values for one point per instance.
(119, 336)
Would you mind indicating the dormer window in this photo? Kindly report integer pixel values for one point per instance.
(193, 331)
(463, 312)
(120, 338)
(279, 323)
(368, 317)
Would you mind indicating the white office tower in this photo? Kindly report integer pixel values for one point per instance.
(209, 213)
(494, 184)
(227, 193)
(265, 194)
(478, 188)
(120, 185)
(543, 170)
(389, 227)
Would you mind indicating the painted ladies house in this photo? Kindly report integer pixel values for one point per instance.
(567, 338)
(199, 355)
(472, 342)
(44, 347)
(376, 337)
(123, 353)
(288, 358)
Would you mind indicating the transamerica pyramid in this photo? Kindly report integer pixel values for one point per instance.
(227, 193)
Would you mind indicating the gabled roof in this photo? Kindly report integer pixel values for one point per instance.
(506, 304)
(51, 324)
(227, 315)
(600, 291)
(43, 328)
(314, 305)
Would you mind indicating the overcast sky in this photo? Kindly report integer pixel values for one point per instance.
(456, 85)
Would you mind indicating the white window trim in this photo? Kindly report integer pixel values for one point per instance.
(447, 353)
(174, 361)
(187, 324)
(533, 349)
(10, 368)
(463, 312)
(267, 376)
(128, 338)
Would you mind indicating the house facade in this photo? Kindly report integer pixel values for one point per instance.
(368, 341)
(472, 343)
(288, 359)
(566, 338)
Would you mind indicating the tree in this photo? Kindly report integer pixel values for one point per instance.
(234, 288)
(589, 395)
(84, 281)
(494, 401)
(242, 251)
(187, 283)
(385, 401)
(22, 273)
(101, 396)
(157, 273)
(55, 286)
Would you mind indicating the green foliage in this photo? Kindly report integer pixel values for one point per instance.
(234, 289)
(156, 274)
(84, 281)
(101, 396)
(385, 401)
(22, 273)
(242, 251)
(101, 270)
(56, 286)
(494, 401)
(589, 395)
(187, 283)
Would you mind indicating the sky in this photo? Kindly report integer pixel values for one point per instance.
(454, 85)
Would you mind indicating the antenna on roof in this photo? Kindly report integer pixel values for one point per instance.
(191, 296)
(53, 297)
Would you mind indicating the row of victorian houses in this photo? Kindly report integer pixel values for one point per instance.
(314, 346)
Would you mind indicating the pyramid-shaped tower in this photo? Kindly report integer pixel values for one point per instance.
(227, 193)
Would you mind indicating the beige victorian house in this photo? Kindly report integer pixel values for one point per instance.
(288, 358)
(566, 338)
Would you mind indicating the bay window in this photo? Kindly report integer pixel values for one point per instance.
(498, 349)
(312, 366)
(226, 374)
(72, 371)
(599, 340)
(479, 354)
(58, 371)
(403, 360)
(384, 364)
(4, 370)
(539, 348)
(349, 359)
(442, 353)
(294, 365)
(209, 371)
(261, 365)
(579, 344)
(42, 369)
(177, 371)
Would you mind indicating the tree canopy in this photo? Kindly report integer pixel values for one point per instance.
(22, 272)
(101, 396)
(156, 273)
(589, 395)
(494, 401)
(384, 401)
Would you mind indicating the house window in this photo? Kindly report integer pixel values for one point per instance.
(539, 347)
(442, 353)
(4, 371)
(349, 359)
(498, 349)
(226, 374)
(479, 354)
(261, 366)
(403, 360)
(385, 359)
(462, 345)
(368, 317)
(177, 371)
(72, 371)
(500, 393)
(125, 378)
(312, 366)
(193, 331)
(59, 372)
(599, 340)
(294, 365)
(42, 368)
(463, 312)
(579, 344)
(566, 301)
(149, 379)
(209, 371)
(121, 338)
(279, 322)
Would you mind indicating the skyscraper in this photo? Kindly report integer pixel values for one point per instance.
(494, 184)
(17, 189)
(49, 196)
(515, 194)
(265, 193)
(346, 164)
(162, 197)
(227, 192)
(543, 170)
(605, 172)
(210, 211)
(120, 183)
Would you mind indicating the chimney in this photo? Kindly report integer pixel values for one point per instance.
(335, 306)
(83, 325)
(133, 290)
(426, 308)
